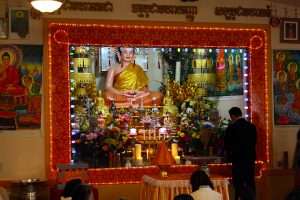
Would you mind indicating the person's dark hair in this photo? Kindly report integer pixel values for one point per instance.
(82, 192)
(293, 195)
(5, 54)
(200, 178)
(235, 111)
(183, 197)
(70, 186)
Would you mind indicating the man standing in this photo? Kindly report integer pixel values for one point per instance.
(240, 142)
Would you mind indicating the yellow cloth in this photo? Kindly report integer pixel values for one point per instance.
(155, 187)
(132, 78)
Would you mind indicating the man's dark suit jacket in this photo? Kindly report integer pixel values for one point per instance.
(240, 141)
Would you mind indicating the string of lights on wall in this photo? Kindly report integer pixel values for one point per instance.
(256, 48)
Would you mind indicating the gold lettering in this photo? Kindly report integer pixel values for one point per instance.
(154, 8)
(88, 6)
(230, 13)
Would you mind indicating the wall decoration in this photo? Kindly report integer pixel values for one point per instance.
(20, 86)
(19, 23)
(289, 31)
(144, 10)
(3, 28)
(230, 13)
(286, 86)
(86, 6)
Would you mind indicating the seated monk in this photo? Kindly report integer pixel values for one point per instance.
(9, 77)
(127, 81)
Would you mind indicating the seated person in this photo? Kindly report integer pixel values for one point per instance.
(9, 77)
(202, 187)
(127, 81)
(183, 197)
(70, 187)
(83, 192)
(3, 194)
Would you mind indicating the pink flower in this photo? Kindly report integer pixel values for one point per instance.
(105, 148)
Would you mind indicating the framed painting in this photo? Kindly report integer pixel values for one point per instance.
(19, 23)
(286, 87)
(21, 97)
(289, 31)
(3, 28)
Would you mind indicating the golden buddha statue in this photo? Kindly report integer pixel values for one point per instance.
(100, 106)
(169, 105)
(127, 80)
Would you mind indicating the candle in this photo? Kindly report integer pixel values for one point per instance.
(162, 131)
(132, 131)
(178, 71)
(144, 134)
(154, 135)
(139, 160)
(174, 148)
(101, 122)
(149, 134)
(138, 150)
(147, 154)
(177, 160)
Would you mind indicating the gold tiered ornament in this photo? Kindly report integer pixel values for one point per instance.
(163, 159)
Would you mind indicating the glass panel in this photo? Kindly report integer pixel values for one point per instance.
(211, 80)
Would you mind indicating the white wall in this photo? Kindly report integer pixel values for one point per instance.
(22, 153)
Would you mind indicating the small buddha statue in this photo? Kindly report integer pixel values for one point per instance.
(101, 120)
(169, 105)
(168, 122)
(113, 109)
(100, 106)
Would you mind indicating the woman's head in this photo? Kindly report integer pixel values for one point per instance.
(200, 178)
(183, 197)
(82, 192)
(70, 187)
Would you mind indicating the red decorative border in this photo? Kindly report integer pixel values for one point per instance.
(61, 35)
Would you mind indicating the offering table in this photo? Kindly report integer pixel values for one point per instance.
(155, 187)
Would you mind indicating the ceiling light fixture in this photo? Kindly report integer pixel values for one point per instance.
(46, 5)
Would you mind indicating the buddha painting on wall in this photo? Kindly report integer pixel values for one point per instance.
(126, 81)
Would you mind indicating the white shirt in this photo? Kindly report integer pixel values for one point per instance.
(206, 193)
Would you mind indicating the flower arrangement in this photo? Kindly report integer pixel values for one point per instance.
(195, 130)
(219, 134)
(189, 132)
(223, 123)
(112, 138)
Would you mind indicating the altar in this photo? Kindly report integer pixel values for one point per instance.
(156, 188)
(64, 36)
